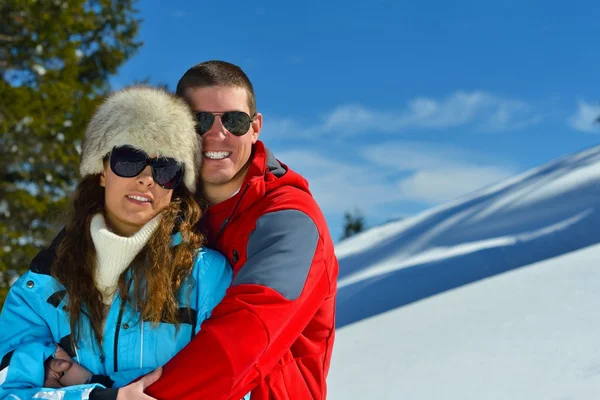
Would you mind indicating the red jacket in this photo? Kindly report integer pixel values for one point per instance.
(273, 332)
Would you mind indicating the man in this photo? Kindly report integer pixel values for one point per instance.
(273, 332)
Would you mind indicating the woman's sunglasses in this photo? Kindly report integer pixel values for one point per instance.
(128, 162)
(236, 122)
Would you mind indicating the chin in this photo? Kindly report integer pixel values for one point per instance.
(140, 220)
(218, 178)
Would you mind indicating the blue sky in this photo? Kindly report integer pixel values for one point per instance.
(393, 107)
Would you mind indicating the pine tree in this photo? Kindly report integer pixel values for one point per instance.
(353, 224)
(56, 57)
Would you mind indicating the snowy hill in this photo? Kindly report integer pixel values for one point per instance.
(419, 320)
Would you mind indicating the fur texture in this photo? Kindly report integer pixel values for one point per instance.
(149, 119)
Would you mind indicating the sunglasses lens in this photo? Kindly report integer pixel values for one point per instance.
(127, 161)
(236, 122)
(205, 122)
(167, 172)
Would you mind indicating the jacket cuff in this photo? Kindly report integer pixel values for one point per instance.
(103, 394)
(102, 380)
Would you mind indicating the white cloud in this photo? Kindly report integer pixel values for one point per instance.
(585, 118)
(407, 156)
(485, 111)
(438, 173)
(435, 186)
(339, 186)
(381, 177)
(280, 128)
(477, 110)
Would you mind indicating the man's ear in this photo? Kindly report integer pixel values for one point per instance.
(256, 127)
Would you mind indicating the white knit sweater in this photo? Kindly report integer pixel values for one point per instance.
(115, 253)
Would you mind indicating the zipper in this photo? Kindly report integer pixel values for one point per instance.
(224, 224)
(116, 345)
(118, 328)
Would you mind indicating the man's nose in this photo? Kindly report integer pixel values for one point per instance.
(217, 130)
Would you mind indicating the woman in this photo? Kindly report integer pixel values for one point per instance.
(131, 283)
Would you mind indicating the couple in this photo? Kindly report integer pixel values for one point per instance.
(139, 305)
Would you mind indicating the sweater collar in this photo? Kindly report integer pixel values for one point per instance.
(115, 253)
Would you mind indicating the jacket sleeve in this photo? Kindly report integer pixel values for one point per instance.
(272, 299)
(108, 385)
(120, 378)
(25, 343)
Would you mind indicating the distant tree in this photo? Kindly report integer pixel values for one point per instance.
(56, 57)
(353, 223)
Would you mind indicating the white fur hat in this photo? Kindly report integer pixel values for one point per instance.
(146, 118)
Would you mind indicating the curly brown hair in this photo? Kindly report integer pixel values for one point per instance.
(156, 279)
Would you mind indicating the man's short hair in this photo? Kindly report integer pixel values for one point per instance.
(217, 73)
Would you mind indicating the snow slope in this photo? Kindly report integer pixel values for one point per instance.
(529, 334)
(494, 296)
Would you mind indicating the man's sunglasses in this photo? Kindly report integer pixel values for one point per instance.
(236, 122)
(128, 162)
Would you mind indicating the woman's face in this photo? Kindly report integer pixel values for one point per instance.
(131, 202)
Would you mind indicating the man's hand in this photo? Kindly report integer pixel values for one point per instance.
(63, 371)
(76, 374)
(135, 390)
(53, 371)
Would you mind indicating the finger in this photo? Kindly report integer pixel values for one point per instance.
(52, 383)
(151, 378)
(144, 396)
(62, 354)
(59, 366)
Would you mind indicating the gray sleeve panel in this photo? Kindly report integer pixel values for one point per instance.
(280, 252)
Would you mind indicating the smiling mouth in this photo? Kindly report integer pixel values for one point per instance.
(140, 199)
(217, 155)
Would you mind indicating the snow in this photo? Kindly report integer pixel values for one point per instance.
(4, 209)
(13, 276)
(38, 69)
(527, 334)
(492, 296)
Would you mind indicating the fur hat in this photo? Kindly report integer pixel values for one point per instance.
(146, 118)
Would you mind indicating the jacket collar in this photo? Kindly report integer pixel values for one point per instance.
(265, 174)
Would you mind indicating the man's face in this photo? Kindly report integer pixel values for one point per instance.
(224, 155)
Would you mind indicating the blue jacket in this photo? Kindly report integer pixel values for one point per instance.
(34, 319)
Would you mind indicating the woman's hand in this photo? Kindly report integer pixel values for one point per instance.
(135, 390)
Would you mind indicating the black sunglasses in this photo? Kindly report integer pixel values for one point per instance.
(236, 122)
(128, 162)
